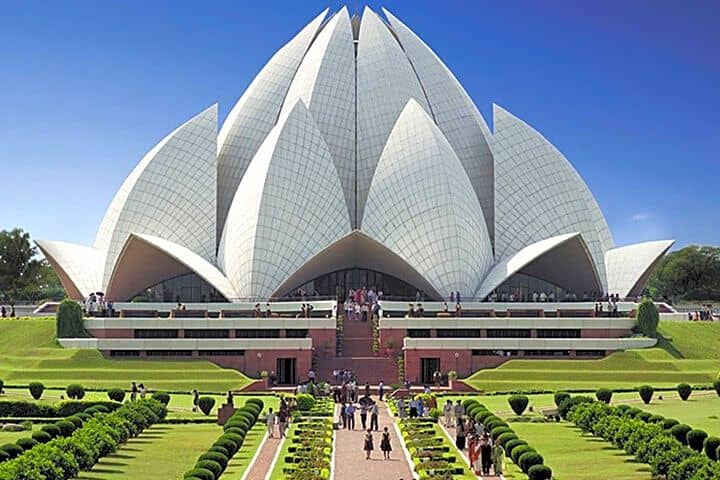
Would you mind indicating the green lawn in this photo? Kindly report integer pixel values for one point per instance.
(697, 340)
(12, 437)
(29, 353)
(575, 456)
(162, 452)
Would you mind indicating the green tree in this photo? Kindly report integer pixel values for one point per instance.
(23, 276)
(648, 318)
(692, 273)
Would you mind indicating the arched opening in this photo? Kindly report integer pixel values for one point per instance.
(186, 288)
(339, 282)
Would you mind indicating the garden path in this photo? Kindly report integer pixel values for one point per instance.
(263, 462)
(349, 457)
(463, 453)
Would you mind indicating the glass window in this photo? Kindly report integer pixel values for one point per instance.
(188, 288)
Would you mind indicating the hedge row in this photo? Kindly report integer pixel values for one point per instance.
(522, 454)
(672, 450)
(211, 464)
(21, 409)
(310, 449)
(61, 428)
(62, 458)
(429, 450)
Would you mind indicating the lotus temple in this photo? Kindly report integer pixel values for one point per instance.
(355, 159)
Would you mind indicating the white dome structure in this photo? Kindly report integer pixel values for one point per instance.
(354, 157)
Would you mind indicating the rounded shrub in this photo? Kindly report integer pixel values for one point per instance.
(41, 437)
(680, 432)
(75, 391)
(219, 449)
(633, 412)
(710, 446)
(528, 459)
(26, 443)
(684, 390)
(116, 394)
(656, 419)
(255, 401)
(510, 445)
(36, 390)
(227, 444)
(211, 465)
(161, 397)
(206, 404)
(539, 472)
(215, 457)
(648, 318)
(644, 416)
(646, 393)
(76, 420)
(482, 415)
(468, 402)
(560, 396)
(503, 438)
(51, 429)
(4, 457)
(12, 450)
(305, 402)
(520, 450)
(669, 423)
(66, 427)
(716, 386)
(604, 395)
(518, 403)
(696, 439)
(497, 431)
(237, 439)
(201, 473)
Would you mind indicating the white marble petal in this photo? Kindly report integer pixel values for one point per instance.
(629, 267)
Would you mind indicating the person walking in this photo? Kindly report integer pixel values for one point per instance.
(459, 411)
(401, 407)
(270, 422)
(498, 455)
(460, 434)
(368, 444)
(448, 411)
(350, 416)
(363, 415)
(486, 453)
(133, 391)
(282, 421)
(385, 444)
(374, 417)
(143, 391)
(343, 414)
(196, 399)
(413, 408)
(381, 390)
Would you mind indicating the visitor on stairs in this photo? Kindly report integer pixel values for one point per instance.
(385, 444)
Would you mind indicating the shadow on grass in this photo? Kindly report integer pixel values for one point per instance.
(666, 344)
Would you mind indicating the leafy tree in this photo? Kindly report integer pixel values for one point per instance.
(648, 318)
(692, 273)
(22, 274)
(69, 320)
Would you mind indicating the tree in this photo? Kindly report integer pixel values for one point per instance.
(648, 318)
(692, 273)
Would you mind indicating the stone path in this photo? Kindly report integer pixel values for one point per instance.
(260, 469)
(349, 457)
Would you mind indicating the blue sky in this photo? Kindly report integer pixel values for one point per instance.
(628, 91)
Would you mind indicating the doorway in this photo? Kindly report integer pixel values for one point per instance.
(286, 371)
(428, 366)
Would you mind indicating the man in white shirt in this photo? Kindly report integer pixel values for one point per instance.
(270, 422)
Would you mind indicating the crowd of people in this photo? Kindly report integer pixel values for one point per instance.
(483, 452)
(281, 419)
(704, 314)
(96, 305)
(362, 303)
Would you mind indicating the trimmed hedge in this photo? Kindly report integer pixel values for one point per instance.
(529, 459)
(696, 439)
(75, 391)
(539, 472)
(161, 397)
(684, 390)
(23, 408)
(69, 320)
(518, 403)
(604, 395)
(116, 394)
(646, 393)
(206, 404)
(560, 397)
(711, 446)
(36, 390)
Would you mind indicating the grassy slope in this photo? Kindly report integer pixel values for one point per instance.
(162, 452)
(29, 352)
(697, 343)
(575, 456)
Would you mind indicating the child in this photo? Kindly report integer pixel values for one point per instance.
(385, 444)
(368, 446)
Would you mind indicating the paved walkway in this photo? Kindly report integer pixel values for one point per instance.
(349, 457)
(263, 462)
(450, 433)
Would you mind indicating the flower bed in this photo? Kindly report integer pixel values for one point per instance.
(310, 450)
(430, 450)
(321, 407)
(212, 464)
(99, 435)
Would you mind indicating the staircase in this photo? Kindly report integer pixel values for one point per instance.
(355, 353)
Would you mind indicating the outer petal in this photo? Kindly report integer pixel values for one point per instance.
(455, 114)
(289, 207)
(80, 268)
(385, 83)
(255, 114)
(147, 260)
(432, 221)
(629, 267)
(563, 260)
(171, 194)
(325, 82)
(538, 193)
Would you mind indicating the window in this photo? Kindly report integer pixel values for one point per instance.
(257, 333)
(547, 353)
(296, 333)
(221, 353)
(187, 288)
(590, 353)
(508, 333)
(156, 333)
(207, 333)
(169, 353)
(459, 332)
(124, 353)
(418, 332)
(558, 333)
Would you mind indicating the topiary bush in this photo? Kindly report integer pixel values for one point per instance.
(69, 320)
(604, 395)
(215, 457)
(510, 445)
(518, 403)
(66, 427)
(539, 472)
(12, 450)
(75, 391)
(116, 394)
(161, 397)
(710, 446)
(560, 396)
(528, 459)
(716, 386)
(646, 393)
(51, 429)
(201, 473)
(519, 451)
(211, 465)
(41, 437)
(206, 404)
(503, 438)
(26, 443)
(684, 390)
(4, 457)
(696, 439)
(36, 390)
(680, 432)
(669, 423)
(648, 318)
(305, 402)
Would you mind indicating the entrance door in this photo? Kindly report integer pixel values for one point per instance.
(428, 366)
(286, 371)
